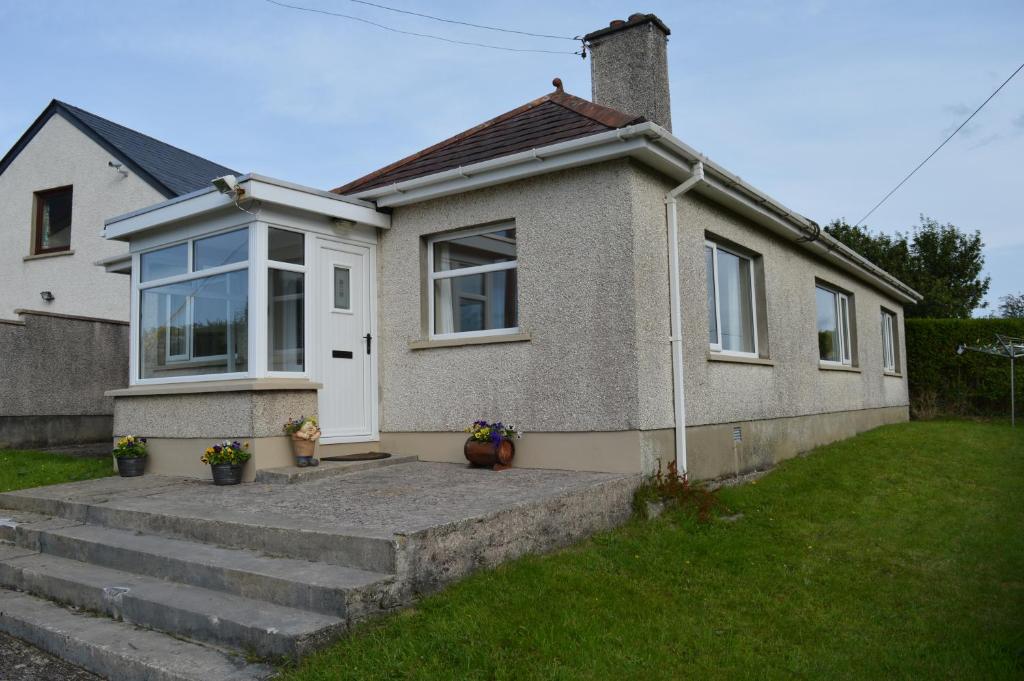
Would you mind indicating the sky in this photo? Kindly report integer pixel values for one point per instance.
(823, 105)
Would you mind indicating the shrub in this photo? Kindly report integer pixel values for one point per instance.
(676, 491)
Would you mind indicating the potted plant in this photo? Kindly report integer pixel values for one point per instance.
(304, 432)
(490, 444)
(226, 460)
(130, 453)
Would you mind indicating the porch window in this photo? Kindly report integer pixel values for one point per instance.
(835, 344)
(194, 307)
(472, 277)
(52, 221)
(888, 341)
(286, 300)
(732, 319)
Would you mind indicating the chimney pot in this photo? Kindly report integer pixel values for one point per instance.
(629, 67)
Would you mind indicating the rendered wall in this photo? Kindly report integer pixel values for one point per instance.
(60, 155)
(53, 372)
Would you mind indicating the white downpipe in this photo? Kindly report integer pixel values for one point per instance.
(676, 316)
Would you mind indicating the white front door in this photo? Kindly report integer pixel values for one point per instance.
(348, 399)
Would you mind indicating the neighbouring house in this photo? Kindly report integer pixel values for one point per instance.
(63, 321)
(569, 266)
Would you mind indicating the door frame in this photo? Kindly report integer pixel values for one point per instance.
(321, 298)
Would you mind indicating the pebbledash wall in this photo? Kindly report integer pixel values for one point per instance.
(590, 379)
(57, 358)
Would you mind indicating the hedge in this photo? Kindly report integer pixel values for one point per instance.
(973, 384)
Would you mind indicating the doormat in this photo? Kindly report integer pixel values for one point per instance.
(366, 456)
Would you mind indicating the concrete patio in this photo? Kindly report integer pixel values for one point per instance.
(273, 568)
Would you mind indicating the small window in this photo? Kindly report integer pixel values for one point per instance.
(732, 319)
(221, 249)
(835, 344)
(286, 246)
(286, 303)
(342, 288)
(889, 342)
(166, 262)
(473, 283)
(53, 221)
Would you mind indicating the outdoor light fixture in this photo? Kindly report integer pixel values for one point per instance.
(228, 184)
(46, 295)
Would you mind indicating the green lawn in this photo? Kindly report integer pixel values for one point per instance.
(22, 469)
(896, 554)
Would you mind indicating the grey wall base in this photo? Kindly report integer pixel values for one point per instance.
(52, 430)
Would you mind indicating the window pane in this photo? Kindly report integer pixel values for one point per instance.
(166, 262)
(709, 265)
(477, 302)
(286, 320)
(342, 288)
(54, 220)
(472, 251)
(195, 327)
(223, 249)
(286, 246)
(736, 308)
(828, 325)
(844, 325)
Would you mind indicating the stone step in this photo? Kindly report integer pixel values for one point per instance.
(347, 593)
(356, 547)
(116, 650)
(181, 610)
(326, 469)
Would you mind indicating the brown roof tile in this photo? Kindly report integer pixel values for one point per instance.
(555, 117)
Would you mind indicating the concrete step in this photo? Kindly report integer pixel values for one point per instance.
(349, 594)
(271, 631)
(116, 650)
(326, 469)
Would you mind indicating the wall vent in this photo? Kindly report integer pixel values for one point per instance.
(737, 434)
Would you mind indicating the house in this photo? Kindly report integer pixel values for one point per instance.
(569, 266)
(62, 319)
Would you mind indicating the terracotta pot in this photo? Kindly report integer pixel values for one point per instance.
(495, 455)
(130, 466)
(302, 447)
(227, 473)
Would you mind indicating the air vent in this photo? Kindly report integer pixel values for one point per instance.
(737, 434)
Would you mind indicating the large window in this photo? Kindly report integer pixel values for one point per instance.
(835, 343)
(889, 342)
(286, 300)
(472, 277)
(732, 319)
(194, 307)
(52, 230)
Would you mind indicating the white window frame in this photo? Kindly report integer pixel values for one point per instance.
(717, 347)
(889, 341)
(263, 238)
(843, 328)
(434, 276)
(138, 286)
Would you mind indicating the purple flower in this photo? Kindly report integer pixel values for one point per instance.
(216, 448)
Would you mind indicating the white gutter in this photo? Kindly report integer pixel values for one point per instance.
(676, 312)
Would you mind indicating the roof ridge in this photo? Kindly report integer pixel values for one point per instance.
(605, 115)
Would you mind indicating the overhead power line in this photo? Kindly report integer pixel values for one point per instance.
(340, 15)
(464, 23)
(936, 150)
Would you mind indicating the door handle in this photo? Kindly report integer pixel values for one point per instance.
(369, 342)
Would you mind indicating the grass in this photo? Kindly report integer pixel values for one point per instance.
(20, 469)
(898, 554)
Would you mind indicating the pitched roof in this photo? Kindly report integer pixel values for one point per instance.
(169, 170)
(555, 117)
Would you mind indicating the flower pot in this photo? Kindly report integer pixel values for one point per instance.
(130, 466)
(227, 473)
(494, 455)
(302, 447)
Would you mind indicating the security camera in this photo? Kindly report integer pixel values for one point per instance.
(227, 184)
(117, 166)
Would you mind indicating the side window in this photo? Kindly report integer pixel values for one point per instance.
(889, 345)
(835, 337)
(473, 285)
(732, 300)
(52, 225)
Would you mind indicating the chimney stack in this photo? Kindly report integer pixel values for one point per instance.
(629, 67)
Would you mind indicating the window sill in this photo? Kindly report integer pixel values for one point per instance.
(739, 359)
(43, 256)
(472, 340)
(838, 367)
(893, 374)
(233, 385)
